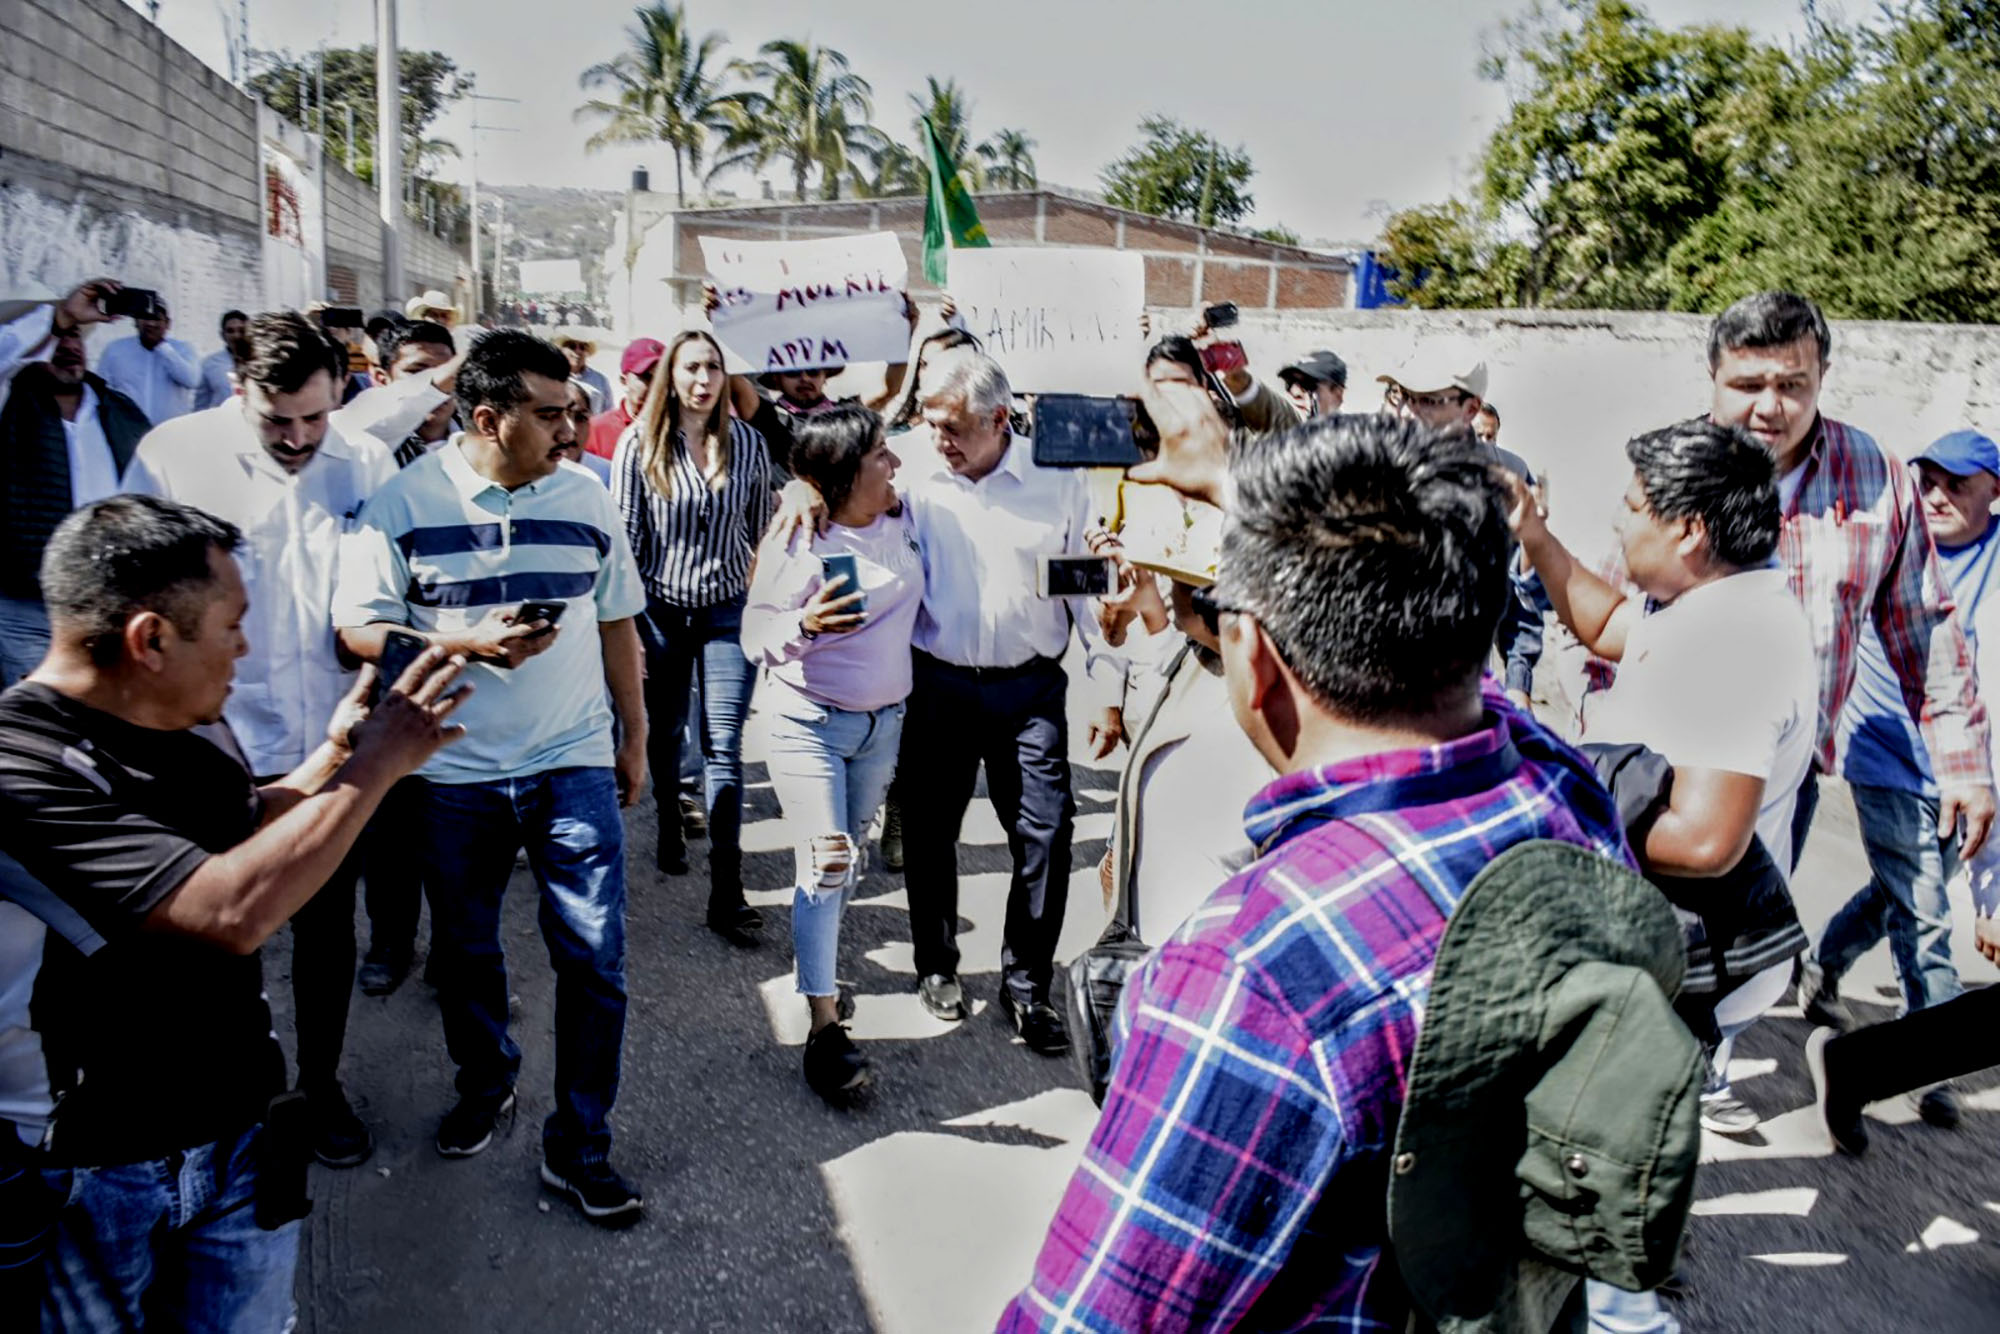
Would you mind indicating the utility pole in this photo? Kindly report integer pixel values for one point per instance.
(478, 290)
(349, 108)
(319, 93)
(389, 148)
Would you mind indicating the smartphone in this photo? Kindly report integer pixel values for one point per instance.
(1220, 357)
(399, 650)
(141, 303)
(845, 565)
(1075, 577)
(1084, 431)
(1220, 315)
(541, 611)
(342, 317)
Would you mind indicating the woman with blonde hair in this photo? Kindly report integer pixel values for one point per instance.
(695, 486)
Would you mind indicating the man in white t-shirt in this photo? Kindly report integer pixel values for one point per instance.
(1719, 677)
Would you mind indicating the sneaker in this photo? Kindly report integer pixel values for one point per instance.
(339, 1139)
(1843, 1122)
(1819, 998)
(1725, 1114)
(1939, 1107)
(383, 971)
(835, 1067)
(891, 842)
(468, 1127)
(942, 996)
(605, 1198)
(694, 820)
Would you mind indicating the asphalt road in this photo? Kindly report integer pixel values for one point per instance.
(920, 1209)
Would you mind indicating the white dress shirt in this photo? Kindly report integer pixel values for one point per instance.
(287, 685)
(93, 472)
(981, 542)
(216, 386)
(388, 413)
(161, 380)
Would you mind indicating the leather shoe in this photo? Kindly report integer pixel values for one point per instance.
(942, 996)
(736, 923)
(1036, 1023)
(382, 973)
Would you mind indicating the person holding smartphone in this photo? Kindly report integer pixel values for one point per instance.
(693, 483)
(831, 615)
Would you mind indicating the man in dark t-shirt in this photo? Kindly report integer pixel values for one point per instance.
(131, 825)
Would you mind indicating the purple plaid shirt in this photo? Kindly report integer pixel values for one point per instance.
(1238, 1175)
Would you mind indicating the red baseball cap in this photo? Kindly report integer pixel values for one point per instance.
(641, 355)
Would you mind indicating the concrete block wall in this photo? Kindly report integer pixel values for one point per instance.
(121, 153)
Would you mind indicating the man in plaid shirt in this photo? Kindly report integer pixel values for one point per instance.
(1854, 546)
(1237, 1176)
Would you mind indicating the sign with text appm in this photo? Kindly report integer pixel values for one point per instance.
(807, 305)
(1062, 321)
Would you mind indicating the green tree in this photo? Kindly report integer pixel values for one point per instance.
(1011, 158)
(1182, 173)
(1277, 232)
(660, 90)
(805, 107)
(1643, 168)
(431, 82)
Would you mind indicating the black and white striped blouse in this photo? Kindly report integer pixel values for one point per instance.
(694, 548)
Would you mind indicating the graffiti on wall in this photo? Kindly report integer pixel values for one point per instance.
(49, 244)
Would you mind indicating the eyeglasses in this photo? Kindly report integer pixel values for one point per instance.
(1398, 398)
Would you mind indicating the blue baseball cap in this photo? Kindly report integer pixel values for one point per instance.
(1963, 453)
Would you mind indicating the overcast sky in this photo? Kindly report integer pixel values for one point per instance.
(1348, 108)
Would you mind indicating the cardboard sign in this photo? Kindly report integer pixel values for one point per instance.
(1062, 321)
(804, 305)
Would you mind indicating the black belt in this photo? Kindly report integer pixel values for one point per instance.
(1028, 668)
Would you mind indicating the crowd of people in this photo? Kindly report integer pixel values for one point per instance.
(385, 611)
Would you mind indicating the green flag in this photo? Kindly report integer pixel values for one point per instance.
(949, 206)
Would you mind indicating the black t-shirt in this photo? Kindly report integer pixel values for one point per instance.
(155, 1042)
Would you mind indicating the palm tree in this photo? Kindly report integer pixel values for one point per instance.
(807, 108)
(949, 111)
(1012, 154)
(662, 90)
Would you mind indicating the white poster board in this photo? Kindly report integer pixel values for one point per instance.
(800, 305)
(551, 277)
(1061, 321)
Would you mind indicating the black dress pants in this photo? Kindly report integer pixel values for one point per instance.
(323, 972)
(1926, 1046)
(1013, 722)
(393, 879)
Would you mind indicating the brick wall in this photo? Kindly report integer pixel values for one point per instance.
(1185, 264)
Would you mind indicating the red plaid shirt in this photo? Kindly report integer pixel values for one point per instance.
(1855, 544)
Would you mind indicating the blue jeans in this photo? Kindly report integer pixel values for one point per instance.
(830, 768)
(681, 644)
(24, 638)
(1616, 1311)
(569, 822)
(169, 1243)
(1904, 899)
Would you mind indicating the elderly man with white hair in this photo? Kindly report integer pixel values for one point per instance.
(989, 685)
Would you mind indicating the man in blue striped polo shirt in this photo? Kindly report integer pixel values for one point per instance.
(454, 547)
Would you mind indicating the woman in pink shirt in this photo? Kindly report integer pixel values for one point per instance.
(839, 660)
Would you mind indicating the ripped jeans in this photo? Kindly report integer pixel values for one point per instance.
(830, 769)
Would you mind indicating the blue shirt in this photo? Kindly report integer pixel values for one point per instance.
(1881, 745)
(439, 546)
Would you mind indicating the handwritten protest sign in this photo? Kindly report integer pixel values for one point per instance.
(1060, 321)
(800, 305)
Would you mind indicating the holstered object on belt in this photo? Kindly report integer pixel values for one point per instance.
(284, 1148)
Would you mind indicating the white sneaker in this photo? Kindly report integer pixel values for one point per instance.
(1723, 1113)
